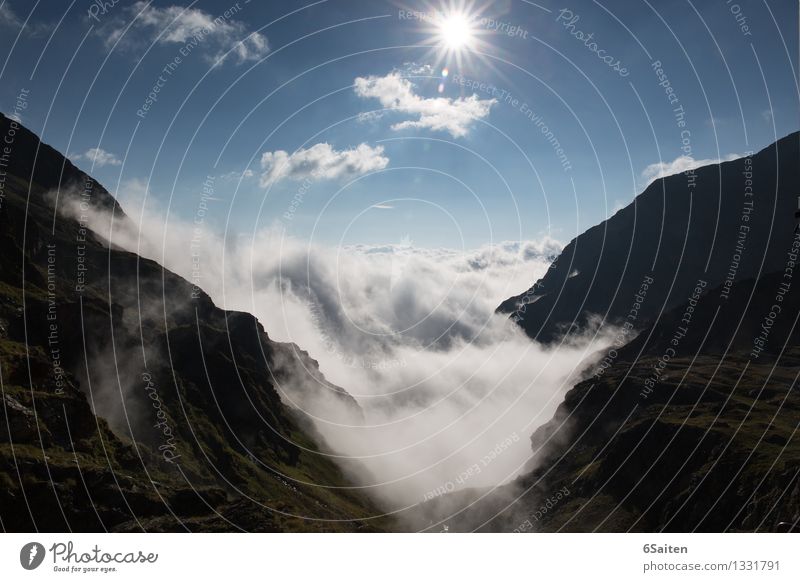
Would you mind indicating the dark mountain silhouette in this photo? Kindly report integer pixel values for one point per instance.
(699, 436)
(703, 225)
(689, 422)
(130, 401)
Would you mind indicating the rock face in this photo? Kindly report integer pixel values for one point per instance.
(720, 224)
(131, 402)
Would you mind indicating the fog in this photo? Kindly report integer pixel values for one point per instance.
(450, 391)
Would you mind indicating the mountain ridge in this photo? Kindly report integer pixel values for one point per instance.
(132, 402)
(600, 271)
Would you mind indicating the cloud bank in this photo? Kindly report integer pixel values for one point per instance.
(450, 391)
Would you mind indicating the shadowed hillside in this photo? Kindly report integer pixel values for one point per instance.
(131, 401)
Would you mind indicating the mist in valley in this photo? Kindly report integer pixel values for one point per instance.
(449, 391)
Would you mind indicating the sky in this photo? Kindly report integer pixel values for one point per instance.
(438, 124)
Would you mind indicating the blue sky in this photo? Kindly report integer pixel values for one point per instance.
(352, 134)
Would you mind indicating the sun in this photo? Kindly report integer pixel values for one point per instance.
(456, 31)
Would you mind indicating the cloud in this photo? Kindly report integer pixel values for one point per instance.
(220, 37)
(7, 16)
(321, 162)
(235, 176)
(443, 381)
(411, 69)
(396, 93)
(98, 157)
(383, 206)
(680, 164)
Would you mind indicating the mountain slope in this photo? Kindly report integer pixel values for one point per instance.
(690, 421)
(130, 401)
(704, 438)
(720, 224)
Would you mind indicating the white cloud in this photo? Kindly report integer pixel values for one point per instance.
(410, 332)
(680, 164)
(383, 206)
(321, 162)
(396, 93)
(412, 69)
(98, 157)
(219, 37)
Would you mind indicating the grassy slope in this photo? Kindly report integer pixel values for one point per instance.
(62, 467)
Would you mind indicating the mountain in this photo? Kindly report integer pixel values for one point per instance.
(720, 224)
(702, 438)
(689, 421)
(131, 402)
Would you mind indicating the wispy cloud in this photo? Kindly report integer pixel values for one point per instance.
(8, 18)
(98, 157)
(235, 176)
(680, 164)
(321, 162)
(383, 206)
(396, 93)
(220, 37)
